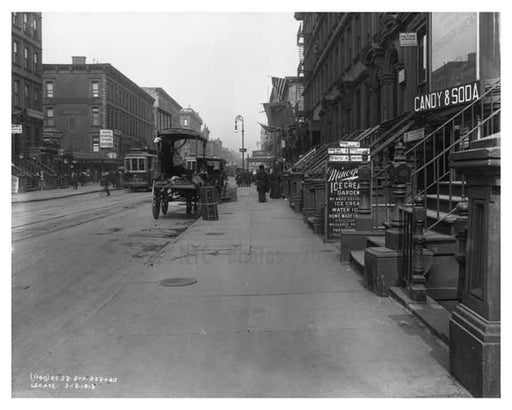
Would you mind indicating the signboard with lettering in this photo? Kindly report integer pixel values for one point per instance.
(17, 129)
(15, 184)
(414, 135)
(460, 94)
(342, 190)
(350, 144)
(408, 39)
(106, 139)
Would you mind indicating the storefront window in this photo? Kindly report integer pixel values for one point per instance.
(454, 47)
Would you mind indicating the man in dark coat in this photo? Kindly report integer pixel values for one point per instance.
(262, 183)
(104, 182)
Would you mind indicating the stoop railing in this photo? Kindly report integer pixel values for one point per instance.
(432, 177)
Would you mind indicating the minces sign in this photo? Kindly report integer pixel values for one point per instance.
(462, 94)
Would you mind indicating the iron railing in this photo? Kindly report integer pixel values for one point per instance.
(432, 176)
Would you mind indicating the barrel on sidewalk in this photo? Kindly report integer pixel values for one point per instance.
(209, 200)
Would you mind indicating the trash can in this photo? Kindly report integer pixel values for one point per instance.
(209, 205)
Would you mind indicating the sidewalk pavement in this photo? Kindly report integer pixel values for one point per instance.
(273, 314)
(34, 196)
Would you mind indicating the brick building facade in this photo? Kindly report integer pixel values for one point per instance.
(27, 83)
(84, 100)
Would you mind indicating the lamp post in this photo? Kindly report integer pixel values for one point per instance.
(240, 118)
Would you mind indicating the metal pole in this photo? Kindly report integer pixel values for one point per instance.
(243, 153)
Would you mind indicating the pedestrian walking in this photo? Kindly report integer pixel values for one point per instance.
(262, 183)
(104, 181)
(74, 180)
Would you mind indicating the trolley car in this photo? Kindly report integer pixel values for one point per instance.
(140, 170)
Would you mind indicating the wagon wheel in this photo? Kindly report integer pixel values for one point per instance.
(165, 203)
(155, 204)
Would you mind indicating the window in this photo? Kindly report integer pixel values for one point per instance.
(49, 89)
(72, 124)
(16, 93)
(36, 62)
(50, 121)
(15, 19)
(95, 116)
(25, 21)
(15, 52)
(26, 95)
(36, 96)
(95, 89)
(95, 144)
(25, 58)
(422, 57)
(453, 43)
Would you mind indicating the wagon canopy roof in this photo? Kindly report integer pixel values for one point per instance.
(181, 134)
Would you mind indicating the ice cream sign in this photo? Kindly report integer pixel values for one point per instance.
(462, 94)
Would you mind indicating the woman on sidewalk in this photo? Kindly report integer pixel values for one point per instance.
(262, 183)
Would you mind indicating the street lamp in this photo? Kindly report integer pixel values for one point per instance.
(242, 150)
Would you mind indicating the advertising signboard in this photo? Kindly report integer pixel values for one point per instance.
(106, 139)
(342, 191)
(17, 129)
(15, 184)
(460, 94)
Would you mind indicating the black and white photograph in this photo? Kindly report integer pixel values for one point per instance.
(254, 201)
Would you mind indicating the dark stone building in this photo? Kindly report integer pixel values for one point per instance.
(421, 92)
(100, 112)
(27, 80)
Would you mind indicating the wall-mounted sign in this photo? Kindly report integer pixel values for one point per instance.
(106, 139)
(414, 135)
(15, 184)
(408, 39)
(460, 94)
(17, 129)
(401, 76)
(112, 155)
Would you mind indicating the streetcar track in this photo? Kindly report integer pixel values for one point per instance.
(43, 230)
(119, 204)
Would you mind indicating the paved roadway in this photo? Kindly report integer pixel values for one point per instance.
(273, 312)
(70, 257)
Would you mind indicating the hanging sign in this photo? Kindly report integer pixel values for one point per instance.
(350, 144)
(460, 94)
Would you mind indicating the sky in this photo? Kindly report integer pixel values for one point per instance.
(219, 64)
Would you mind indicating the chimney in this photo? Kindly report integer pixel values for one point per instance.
(78, 60)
